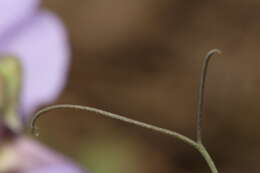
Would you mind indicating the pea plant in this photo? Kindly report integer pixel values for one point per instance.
(197, 144)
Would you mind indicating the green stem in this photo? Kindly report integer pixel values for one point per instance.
(201, 92)
(110, 115)
(203, 151)
(196, 145)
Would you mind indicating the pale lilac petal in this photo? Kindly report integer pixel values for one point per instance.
(14, 13)
(32, 157)
(63, 168)
(43, 50)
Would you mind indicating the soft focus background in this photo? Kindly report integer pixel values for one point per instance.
(142, 59)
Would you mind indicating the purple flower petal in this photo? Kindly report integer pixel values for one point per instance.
(31, 157)
(43, 50)
(13, 13)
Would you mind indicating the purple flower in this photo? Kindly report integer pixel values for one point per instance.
(37, 38)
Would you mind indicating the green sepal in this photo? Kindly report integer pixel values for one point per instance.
(10, 84)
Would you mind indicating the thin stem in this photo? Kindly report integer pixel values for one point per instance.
(195, 144)
(207, 158)
(198, 146)
(202, 92)
(110, 115)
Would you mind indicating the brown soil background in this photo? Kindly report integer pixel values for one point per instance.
(142, 59)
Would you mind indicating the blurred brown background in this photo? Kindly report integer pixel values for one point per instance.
(142, 59)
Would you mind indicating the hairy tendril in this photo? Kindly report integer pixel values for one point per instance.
(196, 144)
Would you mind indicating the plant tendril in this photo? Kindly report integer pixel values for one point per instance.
(35, 130)
(201, 93)
(195, 144)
